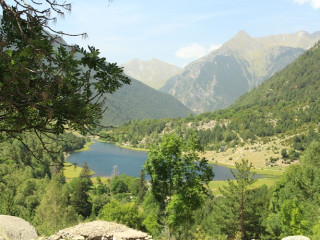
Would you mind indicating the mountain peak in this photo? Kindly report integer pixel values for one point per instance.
(216, 80)
(153, 73)
(242, 34)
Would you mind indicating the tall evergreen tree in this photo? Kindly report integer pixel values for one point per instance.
(79, 197)
(54, 211)
(236, 194)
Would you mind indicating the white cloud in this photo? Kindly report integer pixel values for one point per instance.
(195, 51)
(214, 47)
(314, 3)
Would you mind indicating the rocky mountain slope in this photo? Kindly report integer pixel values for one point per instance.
(153, 73)
(218, 79)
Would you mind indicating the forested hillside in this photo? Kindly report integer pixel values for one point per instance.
(138, 101)
(286, 104)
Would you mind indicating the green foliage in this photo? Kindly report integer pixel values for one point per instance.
(98, 201)
(54, 211)
(178, 179)
(139, 101)
(151, 215)
(311, 156)
(316, 230)
(284, 153)
(118, 185)
(142, 187)
(292, 218)
(79, 197)
(175, 168)
(236, 194)
(25, 186)
(100, 188)
(126, 213)
(47, 89)
(28, 151)
(295, 198)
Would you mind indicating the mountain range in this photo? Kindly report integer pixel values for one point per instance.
(153, 73)
(284, 108)
(242, 63)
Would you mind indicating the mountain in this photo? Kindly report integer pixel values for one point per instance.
(138, 101)
(295, 88)
(153, 73)
(283, 111)
(218, 79)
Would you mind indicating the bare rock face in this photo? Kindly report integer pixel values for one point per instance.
(14, 228)
(100, 230)
(296, 238)
(216, 80)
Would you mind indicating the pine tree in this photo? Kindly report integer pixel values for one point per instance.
(54, 212)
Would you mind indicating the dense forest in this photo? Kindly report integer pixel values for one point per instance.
(36, 190)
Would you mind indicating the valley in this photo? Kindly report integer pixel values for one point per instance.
(224, 147)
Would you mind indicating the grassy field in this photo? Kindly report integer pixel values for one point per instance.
(256, 153)
(105, 180)
(71, 171)
(215, 186)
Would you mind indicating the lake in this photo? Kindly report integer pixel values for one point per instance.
(103, 157)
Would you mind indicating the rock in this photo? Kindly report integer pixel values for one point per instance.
(78, 238)
(14, 228)
(296, 238)
(100, 230)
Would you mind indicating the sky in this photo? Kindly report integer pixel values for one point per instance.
(180, 31)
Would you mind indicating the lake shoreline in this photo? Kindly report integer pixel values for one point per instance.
(267, 173)
(125, 146)
(102, 157)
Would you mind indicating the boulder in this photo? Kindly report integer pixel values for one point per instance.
(100, 230)
(14, 228)
(296, 238)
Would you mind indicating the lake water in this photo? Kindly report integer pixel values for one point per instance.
(102, 157)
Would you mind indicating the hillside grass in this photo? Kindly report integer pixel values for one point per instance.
(105, 180)
(71, 171)
(256, 153)
(215, 186)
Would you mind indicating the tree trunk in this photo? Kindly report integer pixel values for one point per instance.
(242, 216)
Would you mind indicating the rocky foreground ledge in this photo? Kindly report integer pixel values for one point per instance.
(99, 230)
(14, 228)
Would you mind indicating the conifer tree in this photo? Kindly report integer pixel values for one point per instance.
(54, 211)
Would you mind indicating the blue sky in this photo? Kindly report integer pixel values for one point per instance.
(180, 31)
